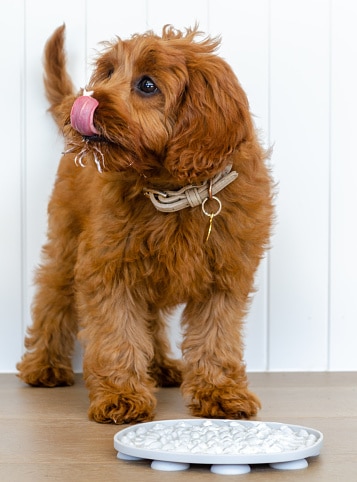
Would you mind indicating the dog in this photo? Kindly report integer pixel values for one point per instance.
(162, 197)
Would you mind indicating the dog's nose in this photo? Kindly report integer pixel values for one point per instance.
(82, 115)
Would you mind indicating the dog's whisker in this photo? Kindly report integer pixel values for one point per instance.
(98, 162)
(78, 160)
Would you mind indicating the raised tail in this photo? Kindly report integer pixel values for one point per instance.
(58, 84)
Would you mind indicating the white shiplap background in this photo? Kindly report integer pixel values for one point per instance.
(297, 60)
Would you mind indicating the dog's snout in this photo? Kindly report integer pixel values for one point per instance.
(82, 115)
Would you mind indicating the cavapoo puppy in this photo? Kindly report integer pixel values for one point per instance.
(162, 197)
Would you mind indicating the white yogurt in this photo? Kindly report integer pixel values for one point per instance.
(210, 437)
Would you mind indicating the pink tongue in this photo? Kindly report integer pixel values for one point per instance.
(82, 115)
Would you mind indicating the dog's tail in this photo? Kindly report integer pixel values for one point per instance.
(58, 84)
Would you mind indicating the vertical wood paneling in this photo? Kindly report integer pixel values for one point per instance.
(181, 14)
(114, 18)
(343, 333)
(300, 76)
(11, 128)
(244, 28)
(299, 120)
(44, 144)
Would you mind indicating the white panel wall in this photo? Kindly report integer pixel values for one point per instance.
(299, 128)
(343, 235)
(296, 59)
(11, 183)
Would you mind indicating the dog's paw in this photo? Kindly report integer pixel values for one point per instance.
(45, 376)
(120, 408)
(224, 402)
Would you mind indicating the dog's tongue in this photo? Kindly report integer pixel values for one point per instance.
(82, 115)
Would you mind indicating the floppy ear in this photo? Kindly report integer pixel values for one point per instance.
(212, 121)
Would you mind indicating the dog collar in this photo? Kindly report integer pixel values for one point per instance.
(191, 195)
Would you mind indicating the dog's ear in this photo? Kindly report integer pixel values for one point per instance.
(213, 119)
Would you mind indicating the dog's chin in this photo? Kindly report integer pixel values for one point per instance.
(95, 139)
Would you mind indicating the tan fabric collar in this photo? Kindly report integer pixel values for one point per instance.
(190, 196)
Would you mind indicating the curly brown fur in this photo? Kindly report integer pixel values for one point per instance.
(114, 266)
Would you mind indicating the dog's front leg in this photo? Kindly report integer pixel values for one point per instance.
(215, 381)
(118, 351)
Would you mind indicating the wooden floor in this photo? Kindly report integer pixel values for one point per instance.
(45, 434)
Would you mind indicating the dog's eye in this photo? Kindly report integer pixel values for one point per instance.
(110, 72)
(147, 86)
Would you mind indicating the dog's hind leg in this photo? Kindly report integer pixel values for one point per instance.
(166, 371)
(50, 340)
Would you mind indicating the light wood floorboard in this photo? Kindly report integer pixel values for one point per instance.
(45, 433)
